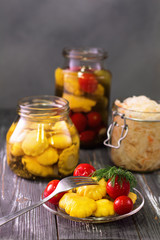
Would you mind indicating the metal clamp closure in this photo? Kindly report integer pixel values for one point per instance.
(124, 131)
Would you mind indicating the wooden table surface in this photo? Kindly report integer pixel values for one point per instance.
(40, 224)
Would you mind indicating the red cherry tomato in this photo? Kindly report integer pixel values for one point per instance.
(87, 136)
(88, 82)
(122, 205)
(94, 119)
(118, 189)
(51, 186)
(84, 169)
(80, 121)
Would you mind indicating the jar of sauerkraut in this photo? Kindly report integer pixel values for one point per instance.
(85, 83)
(42, 141)
(134, 134)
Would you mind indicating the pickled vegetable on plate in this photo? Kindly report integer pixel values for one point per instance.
(95, 200)
(123, 205)
(77, 206)
(104, 208)
(84, 169)
(95, 192)
(51, 186)
(119, 181)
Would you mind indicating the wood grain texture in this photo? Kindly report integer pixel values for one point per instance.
(17, 193)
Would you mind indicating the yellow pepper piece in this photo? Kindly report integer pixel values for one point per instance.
(71, 83)
(99, 91)
(31, 125)
(36, 169)
(77, 206)
(61, 127)
(16, 149)
(68, 160)
(133, 197)
(72, 129)
(60, 141)
(48, 157)
(59, 77)
(79, 104)
(47, 125)
(104, 208)
(95, 192)
(35, 143)
(76, 140)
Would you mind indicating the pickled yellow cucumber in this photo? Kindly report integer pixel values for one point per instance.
(60, 141)
(68, 160)
(35, 143)
(48, 157)
(36, 169)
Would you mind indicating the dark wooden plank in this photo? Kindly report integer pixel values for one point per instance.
(148, 219)
(124, 229)
(98, 158)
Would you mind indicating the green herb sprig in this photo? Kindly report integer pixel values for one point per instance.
(111, 172)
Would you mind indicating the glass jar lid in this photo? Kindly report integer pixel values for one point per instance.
(42, 106)
(85, 53)
(136, 115)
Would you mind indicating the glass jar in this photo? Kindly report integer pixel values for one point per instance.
(42, 142)
(85, 83)
(134, 139)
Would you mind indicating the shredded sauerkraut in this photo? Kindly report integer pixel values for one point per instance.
(140, 150)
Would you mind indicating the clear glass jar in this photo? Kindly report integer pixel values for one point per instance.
(85, 83)
(134, 138)
(42, 142)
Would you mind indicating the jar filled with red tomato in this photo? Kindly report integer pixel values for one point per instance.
(85, 83)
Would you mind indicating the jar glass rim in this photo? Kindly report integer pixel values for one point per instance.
(139, 116)
(42, 105)
(135, 111)
(85, 53)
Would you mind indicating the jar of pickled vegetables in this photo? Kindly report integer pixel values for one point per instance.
(85, 83)
(42, 142)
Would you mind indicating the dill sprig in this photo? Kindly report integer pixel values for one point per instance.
(111, 172)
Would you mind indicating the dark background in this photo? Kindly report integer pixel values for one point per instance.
(34, 32)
